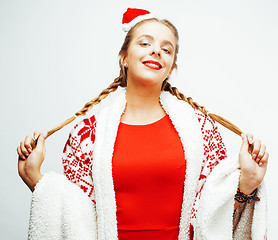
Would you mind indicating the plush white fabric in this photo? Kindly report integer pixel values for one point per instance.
(60, 210)
(215, 212)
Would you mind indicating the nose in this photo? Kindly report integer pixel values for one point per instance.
(155, 51)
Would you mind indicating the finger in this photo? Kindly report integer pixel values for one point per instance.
(250, 138)
(36, 135)
(256, 148)
(23, 149)
(28, 143)
(244, 145)
(264, 159)
(261, 153)
(20, 154)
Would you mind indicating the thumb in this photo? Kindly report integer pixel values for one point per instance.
(40, 142)
(245, 143)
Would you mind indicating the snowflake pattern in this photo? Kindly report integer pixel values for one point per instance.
(88, 130)
(214, 152)
(78, 165)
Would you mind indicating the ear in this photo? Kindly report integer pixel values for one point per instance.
(123, 60)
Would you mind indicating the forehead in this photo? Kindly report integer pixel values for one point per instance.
(155, 29)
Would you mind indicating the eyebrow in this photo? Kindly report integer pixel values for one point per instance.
(152, 38)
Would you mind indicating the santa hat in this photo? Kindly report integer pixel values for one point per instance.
(133, 16)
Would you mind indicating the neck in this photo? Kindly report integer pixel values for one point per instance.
(143, 104)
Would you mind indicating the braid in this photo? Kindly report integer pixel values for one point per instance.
(112, 87)
(174, 91)
(122, 81)
(119, 81)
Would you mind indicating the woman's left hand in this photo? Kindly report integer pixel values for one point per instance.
(253, 164)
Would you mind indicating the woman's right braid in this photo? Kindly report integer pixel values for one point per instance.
(119, 81)
(112, 87)
(166, 86)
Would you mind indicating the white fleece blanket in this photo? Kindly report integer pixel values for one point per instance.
(61, 210)
(216, 208)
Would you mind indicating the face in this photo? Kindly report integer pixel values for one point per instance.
(150, 56)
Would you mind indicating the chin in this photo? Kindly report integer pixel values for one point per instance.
(150, 80)
(147, 78)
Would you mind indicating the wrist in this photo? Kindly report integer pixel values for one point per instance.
(247, 185)
(241, 197)
(35, 179)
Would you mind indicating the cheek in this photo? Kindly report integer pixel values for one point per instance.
(169, 62)
(135, 53)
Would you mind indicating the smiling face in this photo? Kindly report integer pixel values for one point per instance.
(151, 53)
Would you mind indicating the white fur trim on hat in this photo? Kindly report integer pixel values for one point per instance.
(127, 26)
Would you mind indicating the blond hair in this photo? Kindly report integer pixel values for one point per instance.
(166, 86)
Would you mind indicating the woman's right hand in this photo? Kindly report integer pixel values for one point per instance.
(30, 160)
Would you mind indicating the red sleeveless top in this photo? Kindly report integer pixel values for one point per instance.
(148, 168)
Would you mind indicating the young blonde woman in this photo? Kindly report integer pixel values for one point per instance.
(146, 162)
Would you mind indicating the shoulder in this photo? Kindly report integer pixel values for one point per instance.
(83, 131)
(209, 129)
(206, 122)
(213, 141)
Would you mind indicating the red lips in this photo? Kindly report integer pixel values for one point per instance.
(152, 64)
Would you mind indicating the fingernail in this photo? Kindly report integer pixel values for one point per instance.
(260, 164)
(250, 140)
(30, 150)
(242, 135)
(35, 136)
(254, 156)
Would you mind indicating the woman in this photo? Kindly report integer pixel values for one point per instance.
(151, 165)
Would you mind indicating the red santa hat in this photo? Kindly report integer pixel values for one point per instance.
(133, 16)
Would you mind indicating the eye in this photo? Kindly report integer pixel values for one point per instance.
(144, 44)
(166, 50)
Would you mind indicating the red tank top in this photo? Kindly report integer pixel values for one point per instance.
(148, 169)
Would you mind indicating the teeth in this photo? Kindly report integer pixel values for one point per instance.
(153, 65)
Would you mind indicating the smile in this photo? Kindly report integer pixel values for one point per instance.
(152, 64)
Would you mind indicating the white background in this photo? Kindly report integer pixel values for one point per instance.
(57, 55)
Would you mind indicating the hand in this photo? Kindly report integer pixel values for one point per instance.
(30, 160)
(253, 163)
